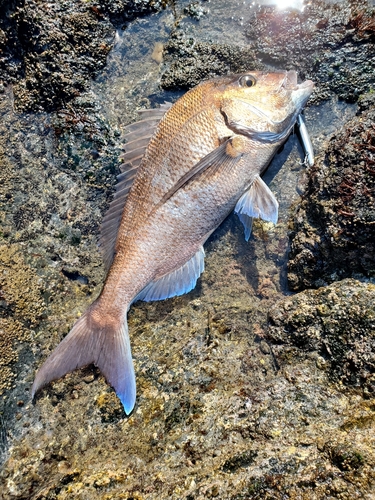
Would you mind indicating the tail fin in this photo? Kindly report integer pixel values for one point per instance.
(107, 347)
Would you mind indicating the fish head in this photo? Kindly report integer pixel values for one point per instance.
(263, 106)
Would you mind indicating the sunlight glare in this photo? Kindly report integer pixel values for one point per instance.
(296, 4)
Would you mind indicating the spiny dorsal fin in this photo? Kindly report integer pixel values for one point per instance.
(258, 202)
(138, 136)
(178, 282)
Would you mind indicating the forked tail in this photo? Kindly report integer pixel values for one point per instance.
(89, 342)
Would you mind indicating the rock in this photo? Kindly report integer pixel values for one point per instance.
(333, 45)
(337, 322)
(333, 229)
(50, 52)
(224, 409)
(189, 61)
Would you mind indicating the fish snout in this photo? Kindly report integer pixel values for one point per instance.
(301, 93)
(307, 85)
(290, 80)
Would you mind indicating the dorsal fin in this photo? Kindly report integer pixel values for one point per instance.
(138, 135)
(146, 126)
(112, 218)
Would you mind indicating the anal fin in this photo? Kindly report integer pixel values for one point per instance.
(177, 282)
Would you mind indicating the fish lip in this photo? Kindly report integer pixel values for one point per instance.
(290, 80)
(307, 84)
(302, 93)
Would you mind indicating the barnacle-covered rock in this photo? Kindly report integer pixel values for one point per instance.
(333, 230)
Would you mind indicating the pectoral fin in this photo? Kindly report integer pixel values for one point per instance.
(247, 224)
(224, 157)
(258, 202)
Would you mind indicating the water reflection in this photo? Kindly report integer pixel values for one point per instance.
(285, 4)
(295, 4)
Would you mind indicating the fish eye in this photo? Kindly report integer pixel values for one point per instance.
(247, 81)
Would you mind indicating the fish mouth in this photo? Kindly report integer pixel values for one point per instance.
(290, 82)
(307, 84)
(300, 92)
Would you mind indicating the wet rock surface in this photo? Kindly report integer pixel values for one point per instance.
(243, 392)
(337, 322)
(331, 44)
(333, 228)
(189, 61)
(51, 49)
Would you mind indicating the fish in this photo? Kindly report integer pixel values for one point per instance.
(187, 166)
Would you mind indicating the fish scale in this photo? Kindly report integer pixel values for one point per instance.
(203, 159)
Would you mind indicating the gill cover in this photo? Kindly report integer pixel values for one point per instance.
(264, 106)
